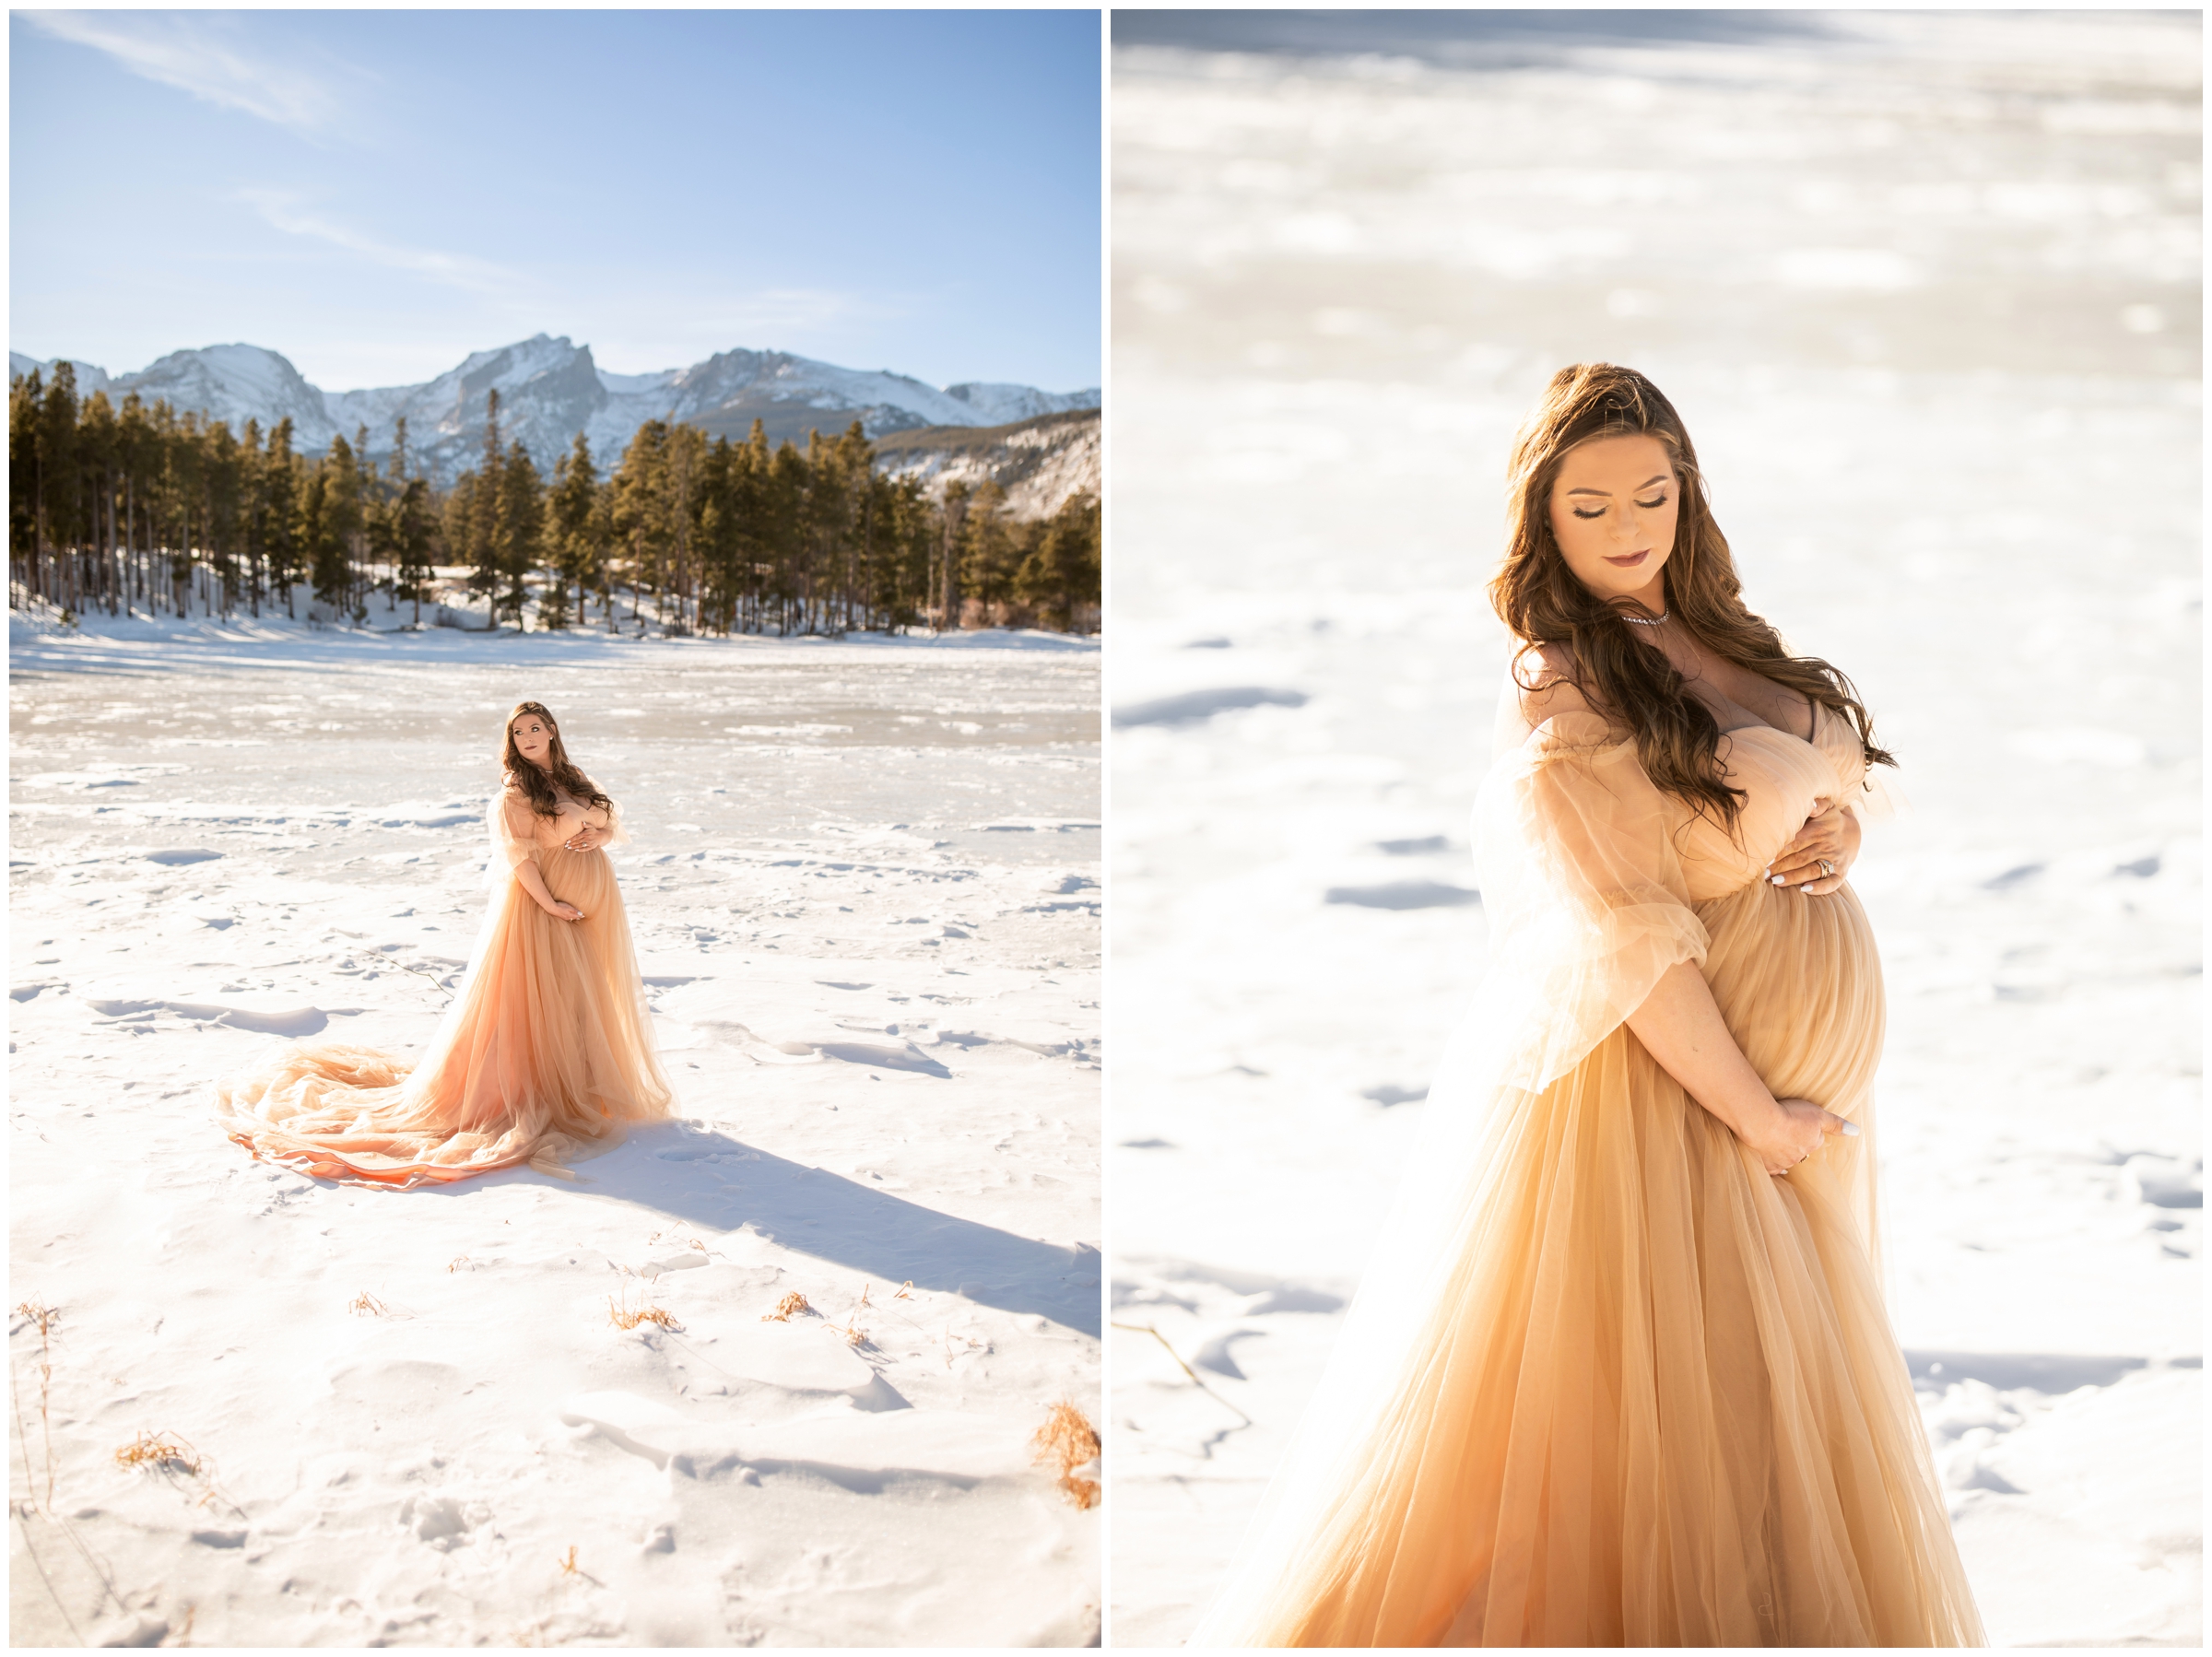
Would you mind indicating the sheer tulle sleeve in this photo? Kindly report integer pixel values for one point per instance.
(514, 831)
(617, 834)
(1583, 891)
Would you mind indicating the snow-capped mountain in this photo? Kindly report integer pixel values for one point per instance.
(550, 390)
(1039, 462)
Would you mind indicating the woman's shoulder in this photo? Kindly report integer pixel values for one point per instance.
(1542, 685)
(1541, 707)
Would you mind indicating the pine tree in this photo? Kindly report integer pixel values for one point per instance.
(987, 552)
(1061, 576)
(414, 533)
(950, 540)
(487, 577)
(521, 516)
(97, 440)
(55, 482)
(458, 523)
(280, 495)
(572, 523)
(26, 399)
(322, 551)
(344, 522)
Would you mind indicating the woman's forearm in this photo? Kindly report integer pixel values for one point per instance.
(533, 881)
(1680, 1025)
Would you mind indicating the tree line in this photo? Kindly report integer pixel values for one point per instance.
(138, 506)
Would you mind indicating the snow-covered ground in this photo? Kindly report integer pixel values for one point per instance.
(1959, 458)
(865, 887)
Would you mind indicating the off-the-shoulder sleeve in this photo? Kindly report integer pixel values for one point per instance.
(1583, 891)
(513, 830)
(616, 833)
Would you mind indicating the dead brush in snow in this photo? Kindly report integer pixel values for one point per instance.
(789, 1306)
(164, 1452)
(367, 1304)
(629, 1317)
(175, 1459)
(1068, 1439)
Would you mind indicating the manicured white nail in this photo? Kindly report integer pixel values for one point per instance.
(1778, 880)
(1851, 1130)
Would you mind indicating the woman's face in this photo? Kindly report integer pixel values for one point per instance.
(533, 738)
(1613, 510)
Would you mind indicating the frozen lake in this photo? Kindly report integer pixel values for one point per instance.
(864, 889)
(1927, 291)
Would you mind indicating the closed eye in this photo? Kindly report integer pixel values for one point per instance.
(1649, 506)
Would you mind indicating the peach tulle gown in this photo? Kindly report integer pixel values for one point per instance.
(546, 1047)
(1607, 1380)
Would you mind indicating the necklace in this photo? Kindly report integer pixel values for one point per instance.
(1644, 620)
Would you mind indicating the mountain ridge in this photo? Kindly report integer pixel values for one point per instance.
(551, 389)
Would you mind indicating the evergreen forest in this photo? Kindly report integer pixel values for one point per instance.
(144, 510)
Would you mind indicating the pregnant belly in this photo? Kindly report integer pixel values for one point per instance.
(1799, 984)
(584, 878)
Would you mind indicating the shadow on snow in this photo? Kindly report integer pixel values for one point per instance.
(710, 1180)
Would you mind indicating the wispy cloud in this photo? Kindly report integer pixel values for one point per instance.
(184, 51)
(282, 211)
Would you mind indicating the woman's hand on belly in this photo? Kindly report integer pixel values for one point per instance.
(1680, 1025)
(1797, 1129)
(1829, 835)
(586, 839)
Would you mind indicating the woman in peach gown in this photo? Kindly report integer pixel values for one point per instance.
(1619, 1372)
(547, 1050)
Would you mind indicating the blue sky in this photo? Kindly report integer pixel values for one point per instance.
(376, 195)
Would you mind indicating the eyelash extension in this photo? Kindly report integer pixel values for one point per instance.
(1648, 506)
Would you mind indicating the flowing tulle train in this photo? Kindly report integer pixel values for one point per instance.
(545, 1054)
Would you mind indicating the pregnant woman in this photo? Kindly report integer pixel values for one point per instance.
(1620, 1372)
(549, 1044)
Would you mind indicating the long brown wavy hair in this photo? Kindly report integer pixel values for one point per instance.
(1629, 681)
(537, 785)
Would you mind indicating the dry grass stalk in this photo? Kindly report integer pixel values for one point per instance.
(369, 1303)
(1147, 1329)
(790, 1306)
(1068, 1439)
(436, 978)
(164, 1452)
(902, 1295)
(45, 1317)
(456, 1263)
(626, 1317)
(567, 1565)
(855, 1335)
